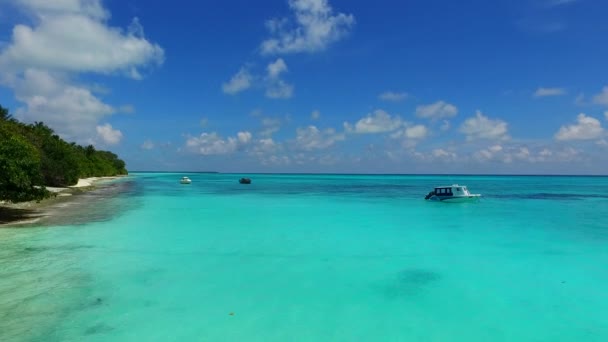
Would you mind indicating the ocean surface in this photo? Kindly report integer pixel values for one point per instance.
(312, 258)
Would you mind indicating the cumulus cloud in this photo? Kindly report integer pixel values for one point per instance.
(482, 127)
(77, 42)
(543, 92)
(393, 96)
(276, 88)
(521, 153)
(316, 115)
(411, 132)
(276, 68)
(213, 144)
(315, 27)
(239, 82)
(410, 135)
(377, 122)
(243, 137)
(602, 97)
(72, 110)
(442, 154)
(416, 132)
(586, 128)
(93, 8)
(109, 135)
(147, 145)
(65, 39)
(265, 146)
(312, 138)
(488, 153)
(279, 89)
(269, 126)
(437, 110)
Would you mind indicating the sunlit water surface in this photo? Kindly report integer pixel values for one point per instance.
(313, 258)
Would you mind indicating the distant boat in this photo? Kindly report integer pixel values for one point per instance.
(185, 180)
(245, 180)
(452, 193)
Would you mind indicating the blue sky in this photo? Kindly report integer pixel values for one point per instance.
(317, 86)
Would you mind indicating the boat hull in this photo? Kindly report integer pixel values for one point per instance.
(455, 199)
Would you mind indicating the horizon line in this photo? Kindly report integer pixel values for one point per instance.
(378, 174)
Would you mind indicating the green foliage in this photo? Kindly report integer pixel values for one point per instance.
(20, 178)
(33, 155)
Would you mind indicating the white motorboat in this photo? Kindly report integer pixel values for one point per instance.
(452, 193)
(185, 180)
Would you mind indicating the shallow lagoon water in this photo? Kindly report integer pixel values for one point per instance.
(314, 257)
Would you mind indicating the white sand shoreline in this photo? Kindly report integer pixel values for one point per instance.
(82, 183)
(33, 211)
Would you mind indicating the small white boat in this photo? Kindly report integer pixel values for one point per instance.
(452, 193)
(185, 180)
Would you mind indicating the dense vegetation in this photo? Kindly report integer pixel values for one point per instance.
(32, 157)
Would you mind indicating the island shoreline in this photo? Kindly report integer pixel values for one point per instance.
(27, 214)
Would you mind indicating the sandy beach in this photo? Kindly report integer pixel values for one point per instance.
(26, 213)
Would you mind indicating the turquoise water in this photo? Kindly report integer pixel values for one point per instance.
(313, 258)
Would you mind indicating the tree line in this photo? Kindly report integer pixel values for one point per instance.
(32, 156)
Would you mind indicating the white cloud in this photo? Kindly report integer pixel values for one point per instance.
(147, 145)
(276, 68)
(586, 128)
(411, 135)
(315, 27)
(312, 138)
(213, 144)
(437, 110)
(523, 153)
(239, 82)
(377, 122)
(276, 88)
(279, 89)
(481, 127)
(92, 8)
(411, 132)
(68, 38)
(269, 126)
(542, 92)
(606, 115)
(393, 96)
(443, 154)
(243, 137)
(545, 152)
(76, 42)
(72, 110)
(445, 125)
(602, 97)
(265, 146)
(416, 132)
(528, 154)
(488, 153)
(109, 135)
(316, 115)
